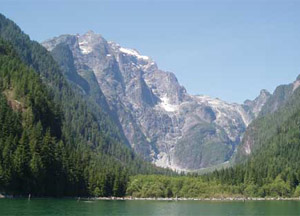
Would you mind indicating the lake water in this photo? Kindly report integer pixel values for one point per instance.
(55, 207)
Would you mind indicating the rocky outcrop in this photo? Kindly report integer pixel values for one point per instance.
(254, 107)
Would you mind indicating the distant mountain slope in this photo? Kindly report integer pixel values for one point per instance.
(280, 106)
(160, 120)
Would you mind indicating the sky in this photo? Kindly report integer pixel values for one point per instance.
(229, 49)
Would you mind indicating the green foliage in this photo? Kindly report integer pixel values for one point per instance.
(178, 186)
(297, 191)
(204, 187)
(30, 123)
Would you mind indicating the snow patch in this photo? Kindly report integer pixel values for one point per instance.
(168, 106)
(220, 107)
(133, 53)
(84, 47)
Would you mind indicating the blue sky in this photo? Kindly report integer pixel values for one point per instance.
(226, 49)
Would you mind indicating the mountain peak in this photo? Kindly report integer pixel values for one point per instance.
(264, 92)
(90, 32)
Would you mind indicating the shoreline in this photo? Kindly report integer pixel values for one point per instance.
(161, 198)
(200, 199)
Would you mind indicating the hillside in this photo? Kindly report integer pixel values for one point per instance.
(54, 142)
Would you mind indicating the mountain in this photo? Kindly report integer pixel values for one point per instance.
(279, 107)
(54, 140)
(160, 120)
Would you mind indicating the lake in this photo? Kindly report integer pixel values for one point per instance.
(55, 207)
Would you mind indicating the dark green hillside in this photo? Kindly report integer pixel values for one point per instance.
(53, 141)
(30, 130)
(79, 116)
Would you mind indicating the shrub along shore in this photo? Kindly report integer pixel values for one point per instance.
(208, 187)
(200, 199)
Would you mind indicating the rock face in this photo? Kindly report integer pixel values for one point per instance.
(279, 97)
(159, 119)
(255, 107)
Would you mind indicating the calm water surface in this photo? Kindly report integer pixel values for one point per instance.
(55, 207)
